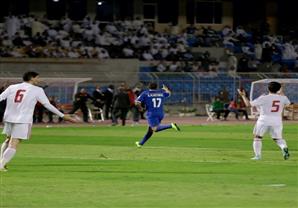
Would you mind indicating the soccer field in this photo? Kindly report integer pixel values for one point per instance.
(201, 166)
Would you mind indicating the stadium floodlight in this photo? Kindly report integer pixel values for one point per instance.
(99, 3)
(55, 0)
(260, 87)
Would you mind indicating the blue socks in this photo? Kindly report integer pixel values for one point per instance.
(163, 127)
(150, 132)
(147, 136)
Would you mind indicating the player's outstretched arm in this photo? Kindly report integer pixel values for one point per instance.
(4, 94)
(68, 117)
(42, 98)
(243, 96)
(165, 88)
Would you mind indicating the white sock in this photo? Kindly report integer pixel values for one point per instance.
(7, 156)
(281, 143)
(3, 148)
(257, 146)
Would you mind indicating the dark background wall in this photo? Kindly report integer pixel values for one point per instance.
(245, 12)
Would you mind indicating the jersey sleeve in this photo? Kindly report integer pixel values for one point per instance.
(4, 94)
(141, 98)
(257, 102)
(43, 99)
(287, 101)
(166, 94)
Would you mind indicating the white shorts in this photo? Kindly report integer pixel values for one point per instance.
(274, 131)
(17, 130)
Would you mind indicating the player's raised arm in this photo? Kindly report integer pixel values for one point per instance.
(165, 88)
(139, 100)
(243, 96)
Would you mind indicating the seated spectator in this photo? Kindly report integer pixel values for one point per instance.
(6, 42)
(232, 63)
(147, 56)
(174, 67)
(289, 51)
(196, 66)
(137, 23)
(191, 29)
(181, 47)
(267, 53)
(73, 54)
(164, 52)
(234, 107)
(17, 52)
(111, 28)
(241, 34)
(218, 107)
(161, 67)
(223, 95)
(229, 41)
(246, 49)
(102, 53)
(227, 31)
(187, 56)
(128, 52)
(173, 53)
(65, 43)
(17, 40)
(186, 66)
(156, 53)
(258, 51)
(243, 63)
(213, 71)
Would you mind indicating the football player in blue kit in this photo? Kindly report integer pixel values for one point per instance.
(153, 99)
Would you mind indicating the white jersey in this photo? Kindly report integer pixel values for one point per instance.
(271, 107)
(21, 100)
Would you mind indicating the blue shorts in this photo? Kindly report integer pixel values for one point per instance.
(154, 120)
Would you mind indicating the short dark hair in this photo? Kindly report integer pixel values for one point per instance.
(274, 87)
(152, 86)
(29, 75)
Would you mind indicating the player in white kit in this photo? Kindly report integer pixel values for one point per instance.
(270, 120)
(21, 100)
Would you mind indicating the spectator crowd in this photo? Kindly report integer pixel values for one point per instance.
(246, 51)
(29, 36)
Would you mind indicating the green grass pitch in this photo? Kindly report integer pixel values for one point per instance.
(201, 166)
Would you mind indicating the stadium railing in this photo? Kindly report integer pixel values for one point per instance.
(193, 88)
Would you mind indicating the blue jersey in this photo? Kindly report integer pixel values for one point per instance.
(153, 100)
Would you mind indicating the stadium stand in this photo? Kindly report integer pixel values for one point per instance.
(29, 36)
